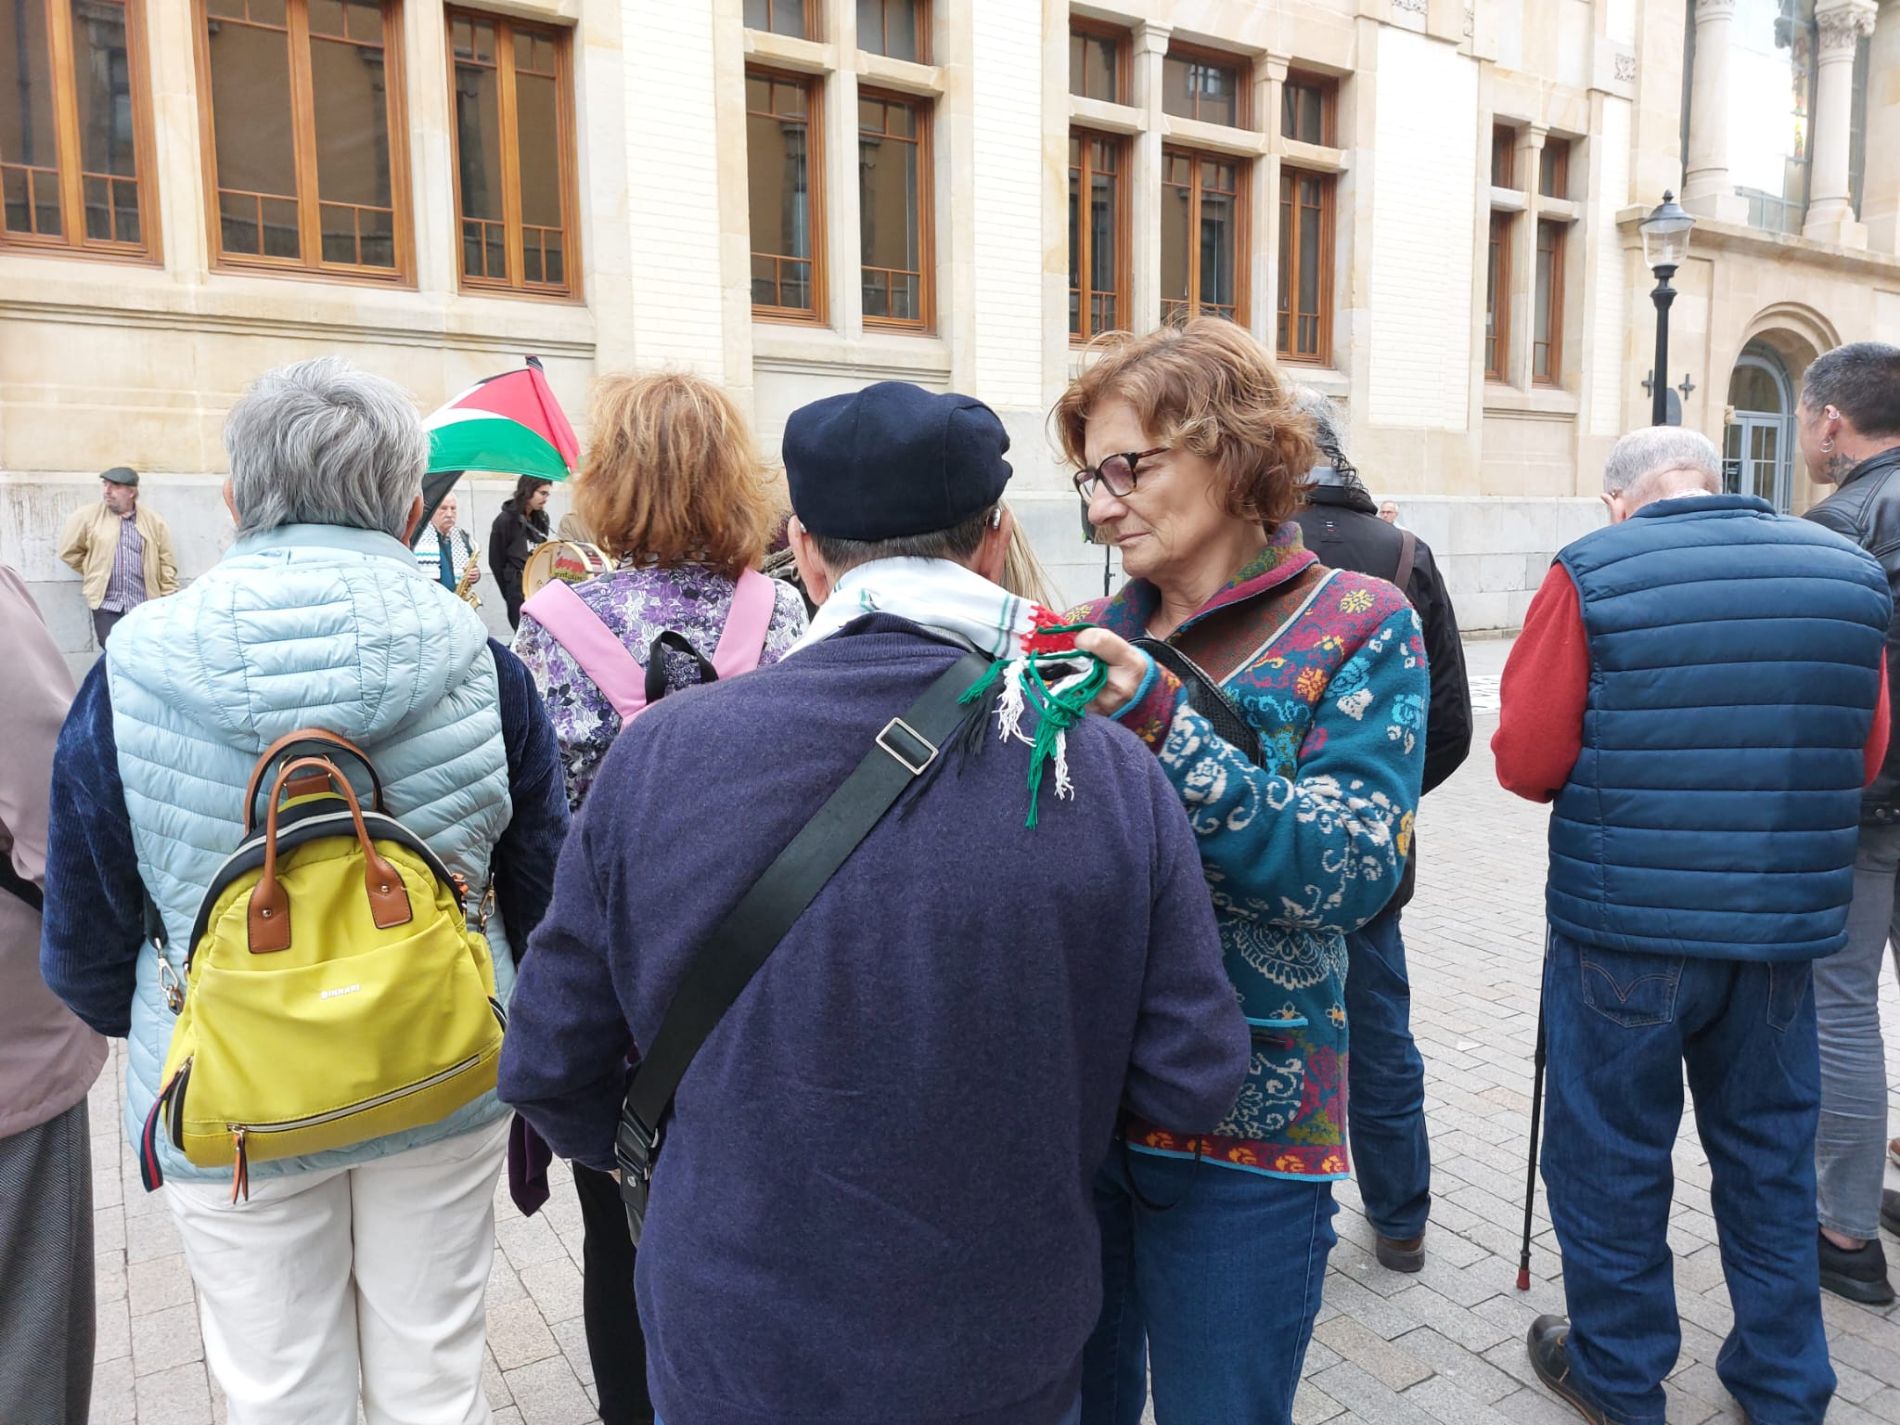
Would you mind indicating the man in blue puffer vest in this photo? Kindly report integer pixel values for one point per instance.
(1700, 690)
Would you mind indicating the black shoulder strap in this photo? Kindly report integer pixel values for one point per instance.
(669, 641)
(728, 958)
(1408, 551)
(1206, 697)
(12, 882)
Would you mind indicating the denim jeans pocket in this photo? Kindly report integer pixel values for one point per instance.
(1632, 990)
(1787, 989)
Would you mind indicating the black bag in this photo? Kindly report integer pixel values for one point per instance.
(724, 964)
(12, 882)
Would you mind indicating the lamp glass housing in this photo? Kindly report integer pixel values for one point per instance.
(1666, 234)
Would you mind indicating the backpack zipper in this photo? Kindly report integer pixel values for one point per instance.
(241, 1168)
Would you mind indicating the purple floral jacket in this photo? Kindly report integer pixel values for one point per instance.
(638, 604)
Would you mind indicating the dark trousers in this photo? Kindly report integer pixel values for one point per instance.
(614, 1343)
(1391, 1156)
(103, 621)
(1620, 1028)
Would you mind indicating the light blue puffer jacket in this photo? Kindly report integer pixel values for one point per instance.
(306, 626)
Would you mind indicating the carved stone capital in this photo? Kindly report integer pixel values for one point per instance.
(1706, 10)
(1843, 23)
(1625, 67)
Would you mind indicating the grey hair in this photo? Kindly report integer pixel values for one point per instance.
(320, 442)
(1860, 380)
(958, 543)
(1647, 454)
(1328, 429)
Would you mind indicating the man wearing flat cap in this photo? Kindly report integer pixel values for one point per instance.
(121, 550)
(871, 1200)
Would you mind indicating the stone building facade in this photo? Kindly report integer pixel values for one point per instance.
(1428, 207)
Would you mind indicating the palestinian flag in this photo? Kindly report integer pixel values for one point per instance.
(508, 425)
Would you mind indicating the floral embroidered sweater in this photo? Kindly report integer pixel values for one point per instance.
(1303, 849)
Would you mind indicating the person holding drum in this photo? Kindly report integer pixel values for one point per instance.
(521, 525)
(677, 497)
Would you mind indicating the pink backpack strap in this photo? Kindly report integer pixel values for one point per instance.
(742, 641)
(603, 657)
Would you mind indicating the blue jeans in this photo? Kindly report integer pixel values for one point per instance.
(1619, 1028)
(1217, 1291)
(1074, 1417)
(1391, 1157)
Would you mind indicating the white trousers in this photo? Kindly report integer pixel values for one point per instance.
(369, 1278)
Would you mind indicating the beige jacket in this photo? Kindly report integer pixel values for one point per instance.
(90, 541)
(48, 1059)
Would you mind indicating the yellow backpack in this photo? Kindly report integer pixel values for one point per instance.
(334, 989)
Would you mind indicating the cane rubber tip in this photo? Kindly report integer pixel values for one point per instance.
(1523, 1278)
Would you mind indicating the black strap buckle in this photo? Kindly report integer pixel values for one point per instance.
(899, 738)
(635, 1148)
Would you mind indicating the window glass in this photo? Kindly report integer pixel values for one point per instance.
(29, 158)
(1547, 335)
(1553, 169)
(1202, 254)
(890, 209)
(1196, 87)
(1503, 156)
(1497, 297)
(1095, 65)
(1772, 53)
(1094, 234)
(253, 137)
(1306, 105)
(779, 179)
(349, 87)
(780, 17)
(108, 136)
(892, 27)
(478, 149)
(1305, 265)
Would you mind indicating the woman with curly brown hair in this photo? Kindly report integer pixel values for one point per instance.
(675, 492)
(1286, 702)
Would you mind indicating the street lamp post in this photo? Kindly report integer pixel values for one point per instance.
(1665, 243)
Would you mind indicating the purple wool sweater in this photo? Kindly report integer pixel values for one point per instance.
(873, 1200)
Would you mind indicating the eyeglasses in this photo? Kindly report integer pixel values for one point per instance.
(1116, 472)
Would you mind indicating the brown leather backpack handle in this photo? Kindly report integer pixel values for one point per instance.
(291, 739)
(268, 916)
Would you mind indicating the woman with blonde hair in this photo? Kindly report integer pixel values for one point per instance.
(674, 491)
(1286, 703)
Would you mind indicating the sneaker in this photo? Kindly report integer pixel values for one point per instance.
(1401, 1255)
(1548, 1343)
(1859, 1275)
(1890, 1210)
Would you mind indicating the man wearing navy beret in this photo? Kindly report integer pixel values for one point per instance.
(873, 1202)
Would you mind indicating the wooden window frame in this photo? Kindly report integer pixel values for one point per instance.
(1243, 232)
(815, 180)
(1554, 322)
(924, 30)
(514, 230)
(813, 20)
(925, 112)
(1328, 86)
(1084, 263)
(1224, 59)
(68, 149)
(1101, 29)
(1508, 134)
(1498, 306)
(304, 161)
(1328, 217)
(1554, 157)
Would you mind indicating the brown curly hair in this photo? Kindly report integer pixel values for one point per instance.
(1208, 387)
(673, 474)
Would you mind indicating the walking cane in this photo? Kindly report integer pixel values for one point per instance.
(1530, 1170)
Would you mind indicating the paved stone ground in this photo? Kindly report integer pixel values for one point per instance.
(1441, 1348)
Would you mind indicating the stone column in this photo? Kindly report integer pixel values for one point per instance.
(1263, 263)
(1706, 186)
(1830, 210)
(1144, 207)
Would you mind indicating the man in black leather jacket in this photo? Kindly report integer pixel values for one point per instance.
(1390, 1151)
(1849, 423)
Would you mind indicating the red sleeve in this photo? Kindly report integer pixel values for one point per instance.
(1882, 732)
(1544, 692)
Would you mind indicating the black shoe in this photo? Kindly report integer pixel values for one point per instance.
(1547, 1343)
(1890, 1210)
(1407, 1255)
(1859, 1275)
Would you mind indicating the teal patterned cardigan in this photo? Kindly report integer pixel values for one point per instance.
(1304, 849)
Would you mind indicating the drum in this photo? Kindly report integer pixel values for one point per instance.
(567, 560)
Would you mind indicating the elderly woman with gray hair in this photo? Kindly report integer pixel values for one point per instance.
(356, 1273)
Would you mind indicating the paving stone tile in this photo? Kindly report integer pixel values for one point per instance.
(517, 1336)
(164, 1339)
(1368, 1398)
(555, 1287)
(178, 1396)
(1388, 1361)
(1470, 1372)
(572, 1337)
(158, 1283)
(1444, 1400)
(113, 1399)
(112, 1337)
(547, 1393)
